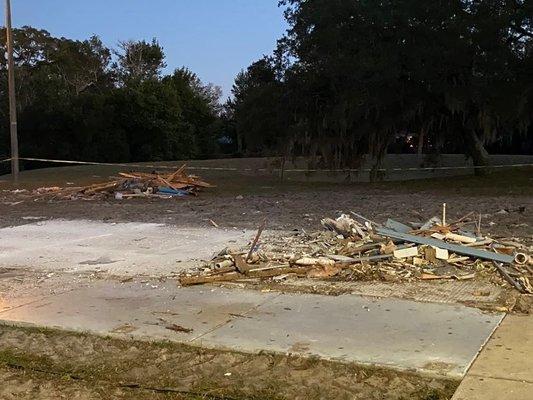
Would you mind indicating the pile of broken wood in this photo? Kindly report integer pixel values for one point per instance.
(132, 185)
(355, 248)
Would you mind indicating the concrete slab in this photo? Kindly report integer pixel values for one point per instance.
(140, 310)
(478, 388)
(430, 338)
(119, 248)
(507, 354)
(504, 369)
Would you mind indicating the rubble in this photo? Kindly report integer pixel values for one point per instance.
(360, 249)
(133, 185)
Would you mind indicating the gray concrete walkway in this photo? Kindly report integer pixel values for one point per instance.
(435, 339)
(504, 369)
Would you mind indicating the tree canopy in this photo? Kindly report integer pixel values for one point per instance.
(348, 78)
(351, 76)
(79, 100)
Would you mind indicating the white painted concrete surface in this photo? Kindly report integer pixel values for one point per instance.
(116, 248)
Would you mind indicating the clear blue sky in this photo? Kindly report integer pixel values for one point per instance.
(214, 38)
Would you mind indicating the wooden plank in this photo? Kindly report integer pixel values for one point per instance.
(232, 276)
(459, 238)
(256, 239)
(179, 171)
(167, 183)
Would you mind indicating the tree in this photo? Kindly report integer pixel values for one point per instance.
(257, 107)
(139, 61)
(354, 75)
(74, 103)
(82, 64)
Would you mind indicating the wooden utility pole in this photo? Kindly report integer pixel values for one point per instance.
(12, 102)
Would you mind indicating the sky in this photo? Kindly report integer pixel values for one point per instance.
(214, 38)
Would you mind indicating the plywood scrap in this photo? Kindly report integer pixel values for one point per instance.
(405, 253)
(324, 272)
(441, 254)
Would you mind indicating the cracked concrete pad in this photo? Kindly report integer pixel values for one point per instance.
(139, 310)
(118, 248)
(431, 338)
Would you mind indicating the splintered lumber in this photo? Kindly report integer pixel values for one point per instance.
(455, 248)
(199, 279)
(167, 183)
(441, 254)
(100, 187)
(350, 260)
(459, 238)
(135, 184)
(233, 276)
(179, 171)
(256, 239)
(480, 243)
(241, 264)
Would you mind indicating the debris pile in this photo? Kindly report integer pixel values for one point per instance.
(132, 185)
(356, 248)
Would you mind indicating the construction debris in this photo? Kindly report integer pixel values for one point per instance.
(362, 249)
(133, 185)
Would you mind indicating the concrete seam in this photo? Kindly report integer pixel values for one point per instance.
(469, 366)
(232, 318)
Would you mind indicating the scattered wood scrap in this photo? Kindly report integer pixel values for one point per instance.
(134, 185)
(365, 250)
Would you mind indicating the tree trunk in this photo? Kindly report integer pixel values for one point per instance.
(421, 138)
(477, 151)
(239, 142)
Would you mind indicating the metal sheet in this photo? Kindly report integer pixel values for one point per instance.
(469, 251)
(397, 226)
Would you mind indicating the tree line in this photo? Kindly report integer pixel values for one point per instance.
(354, 77)
(79, 100)
(349, 78)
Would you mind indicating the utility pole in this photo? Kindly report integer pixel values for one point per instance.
(12, 102)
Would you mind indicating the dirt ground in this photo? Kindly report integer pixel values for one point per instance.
(243, 201)
(46, 363)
